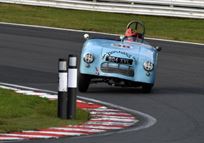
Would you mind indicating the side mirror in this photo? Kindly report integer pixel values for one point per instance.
(158, 48)
(122, 37)
(86, 36)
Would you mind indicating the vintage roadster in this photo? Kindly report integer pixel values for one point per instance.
(128, 61)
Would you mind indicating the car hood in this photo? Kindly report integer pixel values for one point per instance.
(130, 50)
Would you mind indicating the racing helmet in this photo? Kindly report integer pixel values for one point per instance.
(129, 33)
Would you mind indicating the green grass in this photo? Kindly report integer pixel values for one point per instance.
(158, 27)
(20, 112)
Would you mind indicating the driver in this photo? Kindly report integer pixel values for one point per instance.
(131, 35)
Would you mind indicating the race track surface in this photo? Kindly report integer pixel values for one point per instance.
(29, 57)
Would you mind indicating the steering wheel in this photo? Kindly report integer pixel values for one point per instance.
(137, 27)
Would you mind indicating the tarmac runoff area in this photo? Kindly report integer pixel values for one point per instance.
(103, 119)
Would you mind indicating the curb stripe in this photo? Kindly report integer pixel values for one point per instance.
(113, 120)
(38, 133)
(110, 123)
(87, 106)
(112, 114)
(102, 127)
(66, 131)
(54, 133)
(88, 130)
(29, 136)
(10, 138)
(86, 127)
(15, 136)
(104, 110)
(103, 119)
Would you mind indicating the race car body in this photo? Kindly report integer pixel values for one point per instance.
(127, 62)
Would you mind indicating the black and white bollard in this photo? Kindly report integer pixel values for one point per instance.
(72, 86)
(62, 89)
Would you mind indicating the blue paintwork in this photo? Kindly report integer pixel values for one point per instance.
(139, 52)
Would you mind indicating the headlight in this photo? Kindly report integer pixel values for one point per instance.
(148, 66)
(88, 58)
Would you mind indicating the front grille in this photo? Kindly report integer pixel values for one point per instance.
(126, 70)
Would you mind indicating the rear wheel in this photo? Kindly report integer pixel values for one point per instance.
(147, 88)
(84, 81)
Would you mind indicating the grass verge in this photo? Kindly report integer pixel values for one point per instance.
(20, 112)
(158, 27)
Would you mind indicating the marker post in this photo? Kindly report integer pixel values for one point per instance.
(62, 89)
(72, 86)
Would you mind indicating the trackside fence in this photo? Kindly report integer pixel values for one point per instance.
(172, 8)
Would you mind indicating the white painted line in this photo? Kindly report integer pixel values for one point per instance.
(113, 113)
(102, 107)
(102, 127)
(55, 133)
(6, 87)
(110, 123)
(94, 32)
(104, 110)
(110, 116)
(28, 92)
(10, 138)
(91, 127)
(29, 135)
(113, 119)
(26, 88)
(78, 129)
(175, 41)
(80, 101)
(43, 95)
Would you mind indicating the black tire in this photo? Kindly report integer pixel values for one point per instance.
(147, 88)
(83, 83)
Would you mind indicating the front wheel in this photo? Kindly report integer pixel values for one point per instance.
(147, 88)
(83, 83)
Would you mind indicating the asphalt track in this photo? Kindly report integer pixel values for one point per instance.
(29, 57)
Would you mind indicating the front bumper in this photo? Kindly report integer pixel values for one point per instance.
(134, 73)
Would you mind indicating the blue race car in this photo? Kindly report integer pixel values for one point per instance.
(126, 62)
